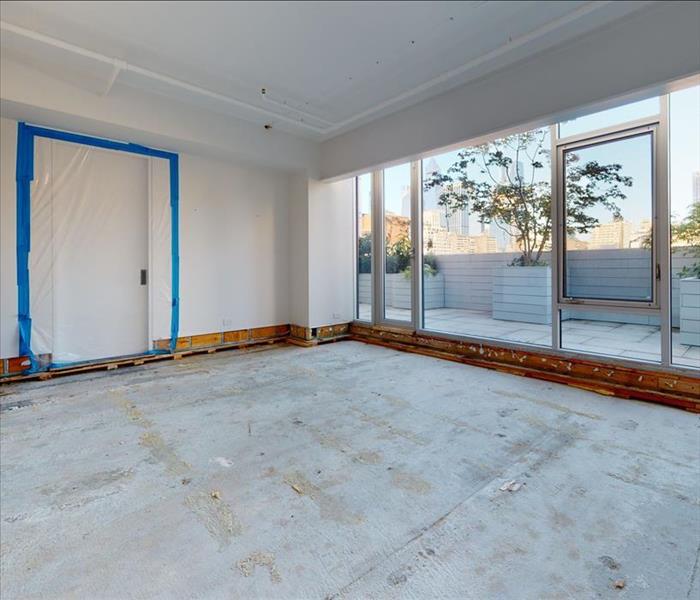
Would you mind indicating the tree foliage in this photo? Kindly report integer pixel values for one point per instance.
(687, 233)
(398, 256)
(487, 181)
(364, 253)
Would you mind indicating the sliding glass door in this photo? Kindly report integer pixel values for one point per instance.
(363, 248)
(397, 300)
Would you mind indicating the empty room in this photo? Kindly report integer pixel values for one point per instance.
(350, 300)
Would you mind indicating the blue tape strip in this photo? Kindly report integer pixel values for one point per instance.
(174, 249)
(64, 364)
(24, 176)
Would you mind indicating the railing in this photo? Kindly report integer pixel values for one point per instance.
(467, 279)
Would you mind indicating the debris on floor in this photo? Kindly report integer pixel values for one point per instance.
(261, 559)
(609, 562)
(511, 486)
(215, 515)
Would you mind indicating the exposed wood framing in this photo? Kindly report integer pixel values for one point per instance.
(673, 389)
(682, 391)
(312, 336)
(208, 340)
(186, 346)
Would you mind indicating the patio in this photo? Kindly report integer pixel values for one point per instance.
(622, 340)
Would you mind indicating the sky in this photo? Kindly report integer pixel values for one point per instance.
(684, 156)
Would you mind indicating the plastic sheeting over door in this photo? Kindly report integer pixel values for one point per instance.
(90, 242)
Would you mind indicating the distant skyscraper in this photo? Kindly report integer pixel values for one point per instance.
(459, 222)
(514, 171)
(616, 234)
(456, 222)
(696, 187)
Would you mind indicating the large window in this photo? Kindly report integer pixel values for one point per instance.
(684, 178)
(363, 220)
(398, 249)
(555, 237)
(609, 118)
(487, 239)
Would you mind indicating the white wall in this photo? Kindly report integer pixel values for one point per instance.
(331, 252)
(298, 251)
(321, 252)
(639, 54)
(9, 337)
(234, 245)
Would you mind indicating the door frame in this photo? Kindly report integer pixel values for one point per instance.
(379, 251)
(25, 174)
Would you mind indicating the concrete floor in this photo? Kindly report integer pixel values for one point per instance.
(611, 338)
(342, 471)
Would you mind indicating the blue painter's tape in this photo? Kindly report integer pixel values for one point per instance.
(65, 364)
(174, 249)
(25, 174)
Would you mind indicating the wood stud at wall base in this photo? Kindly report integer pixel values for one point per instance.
(682, 391)
(312, 336)
(208, 340)
(662, 387)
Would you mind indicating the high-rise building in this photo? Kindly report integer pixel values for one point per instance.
(365, 224)
(515, 171)
(406, 201)
(396, 227)
(696, 187)
(453, 221)
(641, 236)
(616, 234)
(456, 221)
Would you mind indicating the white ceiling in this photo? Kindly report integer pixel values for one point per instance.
(327, 66)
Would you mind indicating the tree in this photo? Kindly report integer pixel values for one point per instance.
(687, 233)
(364, 253)
(519, 200)
(398, 254)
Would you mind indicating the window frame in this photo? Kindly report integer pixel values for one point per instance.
(661, 252)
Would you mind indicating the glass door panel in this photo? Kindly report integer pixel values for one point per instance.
(363, 310)
(608, 240)
(398, 248)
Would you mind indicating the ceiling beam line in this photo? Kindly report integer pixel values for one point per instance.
(120, 65)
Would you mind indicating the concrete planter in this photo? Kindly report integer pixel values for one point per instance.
(433, 291)
(675, 302)
(689, 311)
(522, 294)
(364, 288)
(397, 290)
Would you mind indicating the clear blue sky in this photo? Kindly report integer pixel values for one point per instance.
(684, 154)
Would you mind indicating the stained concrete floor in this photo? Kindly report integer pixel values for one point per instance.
(342, 471)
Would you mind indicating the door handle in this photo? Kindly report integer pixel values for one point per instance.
(144, 276)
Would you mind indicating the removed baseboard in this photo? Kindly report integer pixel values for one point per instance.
(662, 387)
(207, 343)
(312, 336)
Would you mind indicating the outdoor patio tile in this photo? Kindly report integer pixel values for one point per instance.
(626, 340)
(653, 357)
